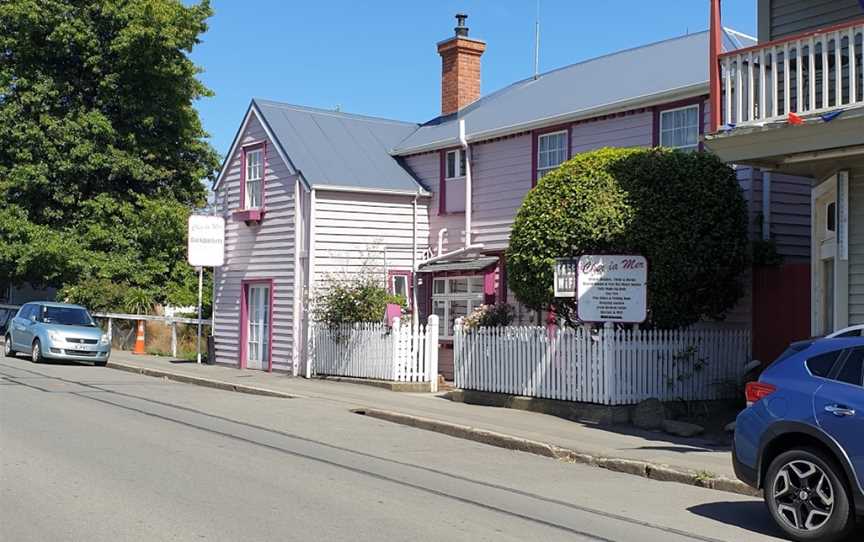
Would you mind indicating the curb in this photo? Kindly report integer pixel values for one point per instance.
(645, 469)
(199, 381)
(400, 387)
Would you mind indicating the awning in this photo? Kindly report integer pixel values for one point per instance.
(474, 264)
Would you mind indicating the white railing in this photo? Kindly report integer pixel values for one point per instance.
(610, 367)
(811, 73)
(377, 351)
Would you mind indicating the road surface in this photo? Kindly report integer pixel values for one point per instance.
(94, 454)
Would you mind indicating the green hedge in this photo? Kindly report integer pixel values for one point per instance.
(683, 211)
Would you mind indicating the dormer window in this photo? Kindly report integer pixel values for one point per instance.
(254, 178)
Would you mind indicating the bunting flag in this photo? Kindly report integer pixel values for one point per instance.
(795, 119)
(828, 117)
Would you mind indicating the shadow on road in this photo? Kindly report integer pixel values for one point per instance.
(751, 515)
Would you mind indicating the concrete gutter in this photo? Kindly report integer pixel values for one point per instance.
(407, 387)
(645, 469)
(208, 382)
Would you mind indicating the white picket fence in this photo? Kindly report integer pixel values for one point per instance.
(610, 367)
(377, 351)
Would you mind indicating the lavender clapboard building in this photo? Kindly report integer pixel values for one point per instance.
(311, 196)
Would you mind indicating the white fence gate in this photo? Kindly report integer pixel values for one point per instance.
(610, 367)
(377, 351)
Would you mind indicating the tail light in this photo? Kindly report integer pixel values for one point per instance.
(756, 391)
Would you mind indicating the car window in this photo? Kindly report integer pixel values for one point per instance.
(26, 311)
(853, 333)
(822, 364)
(852, 371)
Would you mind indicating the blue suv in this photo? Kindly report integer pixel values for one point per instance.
(801, 439)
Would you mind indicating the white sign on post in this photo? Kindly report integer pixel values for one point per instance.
(565, 277)
(612, 288)
(206, 246)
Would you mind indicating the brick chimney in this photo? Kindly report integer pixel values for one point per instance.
(460, 68)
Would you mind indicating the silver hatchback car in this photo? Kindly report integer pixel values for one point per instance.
(56, 331)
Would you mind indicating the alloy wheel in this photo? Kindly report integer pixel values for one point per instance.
(37, 354)
(803, 495)
(7, 346)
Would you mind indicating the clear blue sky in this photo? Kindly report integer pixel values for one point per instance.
(378, 57)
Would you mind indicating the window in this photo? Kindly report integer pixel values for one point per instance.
(853, 369)
(822, 364)
(455, 297)
(254, 178)
(551, 151)
(400, 284)
(831, 217)
(679, 128)
(455, 159)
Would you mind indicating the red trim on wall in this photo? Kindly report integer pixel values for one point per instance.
(442, 183)
(502, 277)
(715, 47)
(535, 134)
(657, 109)
(489, 285)
(244, 321)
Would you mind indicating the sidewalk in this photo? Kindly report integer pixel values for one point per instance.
(624, 449)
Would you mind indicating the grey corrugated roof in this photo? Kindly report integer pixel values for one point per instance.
(676, 64)
(339, 149)
(476, 264)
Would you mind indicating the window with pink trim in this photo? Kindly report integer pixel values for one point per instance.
(399, 283)
(254, 178)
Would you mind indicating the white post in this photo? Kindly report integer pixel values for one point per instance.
(394, 336)
(174, 337)
(608, 335)
(310, 281)
(200, 296)
(432, 351)
(110, 331)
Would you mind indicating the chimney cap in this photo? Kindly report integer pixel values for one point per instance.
(461, 29)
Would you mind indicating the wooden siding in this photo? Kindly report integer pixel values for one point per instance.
(263, 251)
(628, 131)
(781, 18)
(426, 167)
(352, 231)
(856, 246)
(790, 211)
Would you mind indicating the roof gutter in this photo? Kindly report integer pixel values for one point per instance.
(396, 192)
(647, 100)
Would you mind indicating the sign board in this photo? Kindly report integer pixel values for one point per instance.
(206, 245)
(565, 277)
(612, 288)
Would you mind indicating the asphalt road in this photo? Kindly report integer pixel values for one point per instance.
(94, 454)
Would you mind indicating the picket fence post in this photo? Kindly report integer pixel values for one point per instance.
(432, 351)
(394, 337)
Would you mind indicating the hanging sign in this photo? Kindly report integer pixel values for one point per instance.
(612, 288)
(565, 277)
(206, 245)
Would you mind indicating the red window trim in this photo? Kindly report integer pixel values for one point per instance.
(658, 109)
(401, 273)
(244, 320)
(535, 135)
(257, 214)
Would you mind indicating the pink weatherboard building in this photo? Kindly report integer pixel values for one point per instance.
(311, 195)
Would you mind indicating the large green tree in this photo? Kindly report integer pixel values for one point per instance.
(102, 154)
(683, 211)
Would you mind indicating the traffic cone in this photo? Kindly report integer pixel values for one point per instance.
(139, 339)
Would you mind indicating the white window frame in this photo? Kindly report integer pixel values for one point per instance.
(404, 275)
(258, 168)
(662, 130)
(474, 297)
(459, 165)
(829, 233)
(541, 171)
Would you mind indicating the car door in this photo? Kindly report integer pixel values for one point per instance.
(24, 325)
(839, 407)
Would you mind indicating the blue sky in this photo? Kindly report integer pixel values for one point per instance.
(378, 57)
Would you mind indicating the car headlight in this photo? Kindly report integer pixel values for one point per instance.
(55, 336)
(104, 340)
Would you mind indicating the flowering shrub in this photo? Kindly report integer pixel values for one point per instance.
(499, 315)
(359, 300)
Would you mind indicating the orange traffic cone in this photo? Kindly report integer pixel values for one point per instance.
(139, 339)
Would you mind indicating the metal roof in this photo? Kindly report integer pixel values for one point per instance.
(476, 264)
(587, 88)
(339, 149)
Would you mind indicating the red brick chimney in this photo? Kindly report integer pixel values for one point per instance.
(460, 68)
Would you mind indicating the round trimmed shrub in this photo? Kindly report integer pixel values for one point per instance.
(683, 211)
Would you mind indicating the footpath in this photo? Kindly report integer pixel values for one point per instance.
(620, 448)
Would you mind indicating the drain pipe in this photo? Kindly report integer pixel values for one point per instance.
(414, 320)
(441, 233)
(467, 150)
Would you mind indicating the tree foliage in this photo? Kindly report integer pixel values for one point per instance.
(360, 299)
(683, 211)
(102, 155)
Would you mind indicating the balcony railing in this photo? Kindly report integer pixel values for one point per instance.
(811, 73)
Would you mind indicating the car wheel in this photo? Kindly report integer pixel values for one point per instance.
(8, 351)
(36, 354)
(807, 496)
